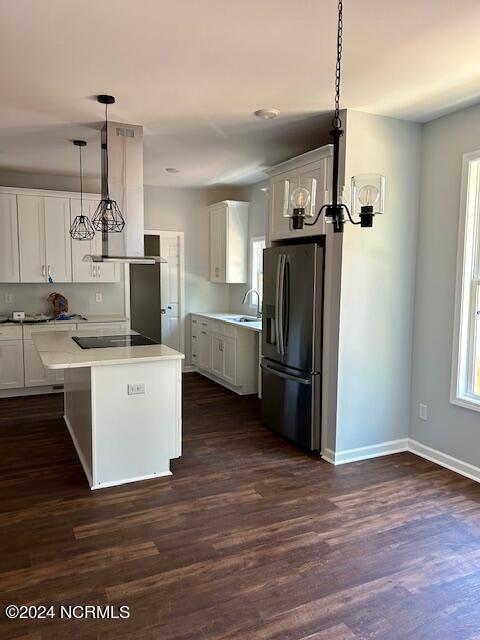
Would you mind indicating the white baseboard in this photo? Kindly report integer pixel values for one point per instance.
(444, 460)
(28, 391)
(364, 453)
(397, 446)
(189, 368)
(116, 483)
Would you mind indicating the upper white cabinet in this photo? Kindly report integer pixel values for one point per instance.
(90, 271)
(9, 260)
(311, 170)
(35, 243)
(44, 239)
(229, 241)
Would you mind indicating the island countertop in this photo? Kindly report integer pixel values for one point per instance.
(57, 350)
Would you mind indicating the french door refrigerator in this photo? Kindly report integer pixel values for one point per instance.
(292, 329)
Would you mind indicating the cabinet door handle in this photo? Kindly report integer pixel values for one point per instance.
(99, 273)
(204, 333)
(220, 346)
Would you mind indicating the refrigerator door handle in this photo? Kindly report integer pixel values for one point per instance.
(286, 376)
(277, 305)
(281, 302)
(286, 303)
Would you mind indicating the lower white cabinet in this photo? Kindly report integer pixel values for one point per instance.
(11, 364)
(20, 364)
(35, 373)
(225, 353)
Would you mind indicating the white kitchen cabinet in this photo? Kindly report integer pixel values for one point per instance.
(44, 239)
(58, 245)
(217, 367)
(90, 271)
(31, 234)
(205, 350)
(311, 170)
(229, 241)
(225, 353)
(11, 363)
(9, 256)
(35, 373)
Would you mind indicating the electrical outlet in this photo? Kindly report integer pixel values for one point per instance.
(423, 411)
(136, 388)
(98, 297)
(8, 298)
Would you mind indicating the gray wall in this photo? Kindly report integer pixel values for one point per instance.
(257, 226)
(450, 429)
(377, 291)
(168, 209)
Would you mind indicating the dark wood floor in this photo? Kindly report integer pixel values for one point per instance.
(248, 540)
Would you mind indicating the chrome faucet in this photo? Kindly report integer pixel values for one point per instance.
(259, 313)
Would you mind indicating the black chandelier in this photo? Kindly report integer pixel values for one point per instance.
(81, 228)
(107, 218)
(367, 190)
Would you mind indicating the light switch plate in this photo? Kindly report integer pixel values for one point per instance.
(136, 388)
(98, 297)
(423, 411)
(8, 298)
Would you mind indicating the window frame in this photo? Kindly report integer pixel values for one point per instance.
(467, 288)
(252, 301)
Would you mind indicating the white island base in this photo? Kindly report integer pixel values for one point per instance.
(120, 436)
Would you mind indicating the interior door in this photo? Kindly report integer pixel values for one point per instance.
(31, 234)
(58, 245)
(170, 291)
(9, 259)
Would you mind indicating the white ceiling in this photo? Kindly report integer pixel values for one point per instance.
(193, 71)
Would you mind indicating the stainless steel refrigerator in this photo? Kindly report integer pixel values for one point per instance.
(292, 330)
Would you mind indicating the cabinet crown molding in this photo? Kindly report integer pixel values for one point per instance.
(303, 160)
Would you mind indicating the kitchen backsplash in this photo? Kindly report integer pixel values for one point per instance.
(33, 298)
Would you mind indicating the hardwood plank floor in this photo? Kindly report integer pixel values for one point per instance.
(249, 539)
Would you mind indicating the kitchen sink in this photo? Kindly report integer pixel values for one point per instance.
(244, 319)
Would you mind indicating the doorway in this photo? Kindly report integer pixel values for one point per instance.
(157, 291)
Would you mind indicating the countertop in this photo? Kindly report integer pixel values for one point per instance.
(229, 319)
(57, 350)
(79, 320)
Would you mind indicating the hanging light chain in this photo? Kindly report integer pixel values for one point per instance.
(81, 182)
(337, 123)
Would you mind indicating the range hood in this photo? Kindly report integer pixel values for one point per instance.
(125, 185)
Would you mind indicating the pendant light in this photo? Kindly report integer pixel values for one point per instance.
(368, 192)
(107, 218)
(81, 228)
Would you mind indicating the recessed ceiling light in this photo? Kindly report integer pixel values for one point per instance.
(172, 170)
(266, 114)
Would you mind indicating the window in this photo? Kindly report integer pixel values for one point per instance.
(256, 266)
(466, 344)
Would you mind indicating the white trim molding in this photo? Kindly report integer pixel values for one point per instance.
(364, 453)
(444, 460)
(403, 445)
(468, 267)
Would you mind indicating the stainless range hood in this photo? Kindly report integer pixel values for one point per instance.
(125, 185)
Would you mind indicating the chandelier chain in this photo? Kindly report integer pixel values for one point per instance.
(337, 123)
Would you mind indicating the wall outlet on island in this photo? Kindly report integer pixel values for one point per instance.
(423, 411)
(136, 388)
(98, 297)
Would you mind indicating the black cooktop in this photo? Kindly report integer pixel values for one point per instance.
(101, 342)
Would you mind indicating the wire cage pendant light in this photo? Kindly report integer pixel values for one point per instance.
(108, 217)
(81, 228)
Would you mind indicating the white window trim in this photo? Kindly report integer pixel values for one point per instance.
(252, 303)
(467, 244)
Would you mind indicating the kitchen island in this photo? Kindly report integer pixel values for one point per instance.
(122, 405)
